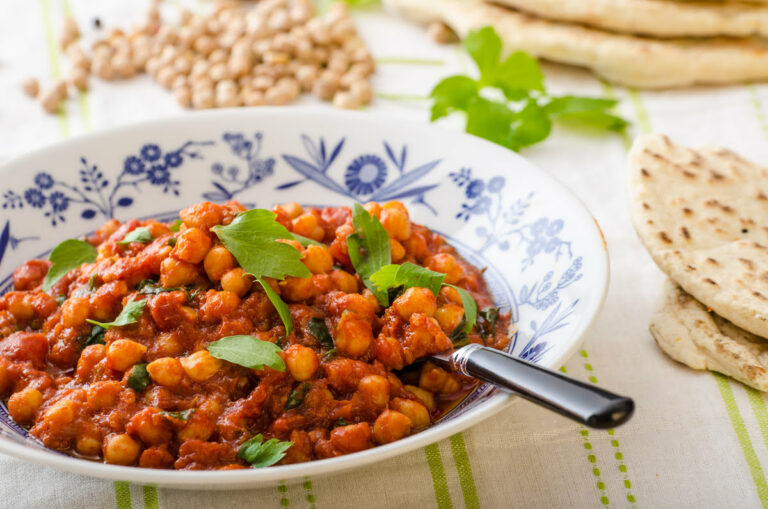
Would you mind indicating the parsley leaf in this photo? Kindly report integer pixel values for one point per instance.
(406, 276)
(140, 234)
(68, 255)
(296, 397)
(181, 415)
(368, 248)
(138, 378)
(252, 240)
(263, 454)
(524, 116)
(176, 226)
(96, 337)
(306, 241)
(487, 319)
(248, 351)
(459, 336)
(130, 314)
(319, 329)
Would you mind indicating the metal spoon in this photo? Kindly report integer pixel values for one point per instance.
(584, 403)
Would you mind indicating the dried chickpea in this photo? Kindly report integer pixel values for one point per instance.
(318, 259)
(415, 411)
(391, 425)
(166, 371)
(102, 67)
(253, 98)
(236, 281)
(362, 90)
(175, 273)
(441, 33)
(448, 265)
(120, 450)
(301, 361)
(426, 397)
(123, 65)
(203, 98)
(31, 87)
(201, 365)
(183, 96)
(69, 32)
(346, 101)
(165, 76)
(227, 93)
(415, 300)
(51, 97)
(23, 404)
(325, 86)
(78, 77)
(124, 353)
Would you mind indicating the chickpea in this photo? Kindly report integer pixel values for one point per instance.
(375, 389)
(344, 281)
(227, 92)
(415, 411)
(236, 281)
(7, 376)
(217, 262)
(203, 98)
(151, 427)
(75, 311)
(448, 265)
(20, 306)
(121, 450)
(51, 97)
(78, 77)
(102, 67)
(201, 365)
(306, 74)
(426, 397)
(253, 97)
(192, 245)
(415, 300)
(353, 335)
(449, 316)
(89, 358)
(183, 96)
(346, 101)
(175, 273)
(397, 250)
(394, 219)
(166, 371)
(292, 209)
(31, 87)
(302, 362)
(362, 90)
(103, 395)
(318, 259)
(23, 404)
(60, 413)
(124, 353)
(69, 32)
(262, 83)
(435, 379)
(351, 438)
(391, 425)
(88, 444)
(416, 246)
(451, 295)
(296, 289)
(325, 86)
(307, 225)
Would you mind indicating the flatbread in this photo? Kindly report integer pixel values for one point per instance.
(702, 216)
(624, 59)
(657, 18)
(685, 331)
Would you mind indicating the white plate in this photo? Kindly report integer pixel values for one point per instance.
(546, 257)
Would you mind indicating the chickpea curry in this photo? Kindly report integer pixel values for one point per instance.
(234, 338)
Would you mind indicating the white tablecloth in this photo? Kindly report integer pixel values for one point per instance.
(697, 439)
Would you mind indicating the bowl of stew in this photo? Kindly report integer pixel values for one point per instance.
(232, 298)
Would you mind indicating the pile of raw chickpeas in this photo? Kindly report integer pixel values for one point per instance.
(238, 54)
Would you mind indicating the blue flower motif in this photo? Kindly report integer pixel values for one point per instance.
(172, 159)
(133, 165)
(158, 175)
(365, 174)
(261, 168)
(217, 168)
(44, 180)
(475, 188)
(34, 197)
(240, 146)
(555, 227)
(151, 152)
(539, 226)
(481, 206)
(59, 202)
(496, 184)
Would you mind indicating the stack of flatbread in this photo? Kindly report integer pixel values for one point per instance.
(703, 216)
(638, 43)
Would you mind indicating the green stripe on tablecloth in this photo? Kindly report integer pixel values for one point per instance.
(282, 489)
(742, 435)
(618, 455)
(310, 496)
(592, 459)
(758, 110)
(641, 115)
(401, 97)
(82, 95)
(53, 56)
(464, 468)
(439, 481)
(760, 410)
(150, 497)
(123, 495)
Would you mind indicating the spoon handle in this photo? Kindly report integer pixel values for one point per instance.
(582, 402)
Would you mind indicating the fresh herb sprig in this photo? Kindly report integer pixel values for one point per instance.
(261, 454)
(138, 378)
(130, 314)
(369, 248)
(508, 104)
(248, 351)
(140, 234)
(68, 256)
(319, 329)
(252, 238)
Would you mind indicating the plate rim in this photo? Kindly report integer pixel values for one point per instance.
(255, 477)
